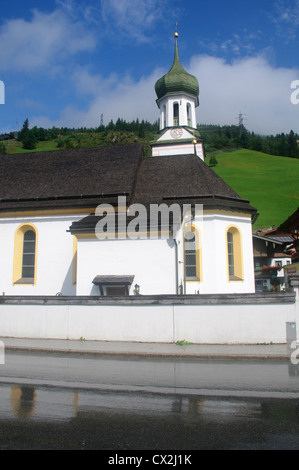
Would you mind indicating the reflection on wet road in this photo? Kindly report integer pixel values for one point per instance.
(49, 416)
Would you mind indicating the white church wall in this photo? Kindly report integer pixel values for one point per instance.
(182, 100)
(214, 268)
(152, 262)
(182, 149)
(54, 256)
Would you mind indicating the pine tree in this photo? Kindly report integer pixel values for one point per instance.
(293, 149)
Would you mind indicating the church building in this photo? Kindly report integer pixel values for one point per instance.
(109, 221)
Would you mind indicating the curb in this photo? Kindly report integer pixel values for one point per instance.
(151, 355)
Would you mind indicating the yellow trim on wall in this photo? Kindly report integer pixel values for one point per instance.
(224, 212)
(75, 259)
(124, 235)
(46, 212)
(18, 253)
(238, 253)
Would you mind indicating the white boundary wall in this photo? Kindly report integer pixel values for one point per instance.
(228, 320)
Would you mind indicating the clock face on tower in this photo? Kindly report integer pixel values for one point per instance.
(176, 133)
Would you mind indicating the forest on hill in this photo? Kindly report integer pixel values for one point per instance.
(216, 138)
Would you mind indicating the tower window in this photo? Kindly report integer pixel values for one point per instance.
(164, 116)
(176, 120)
(189, 119)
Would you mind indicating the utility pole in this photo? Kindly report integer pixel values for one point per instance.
(241, 120)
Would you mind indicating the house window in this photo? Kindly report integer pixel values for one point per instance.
(192, 255)
(25, 249)
(234, 254)
(175, 114)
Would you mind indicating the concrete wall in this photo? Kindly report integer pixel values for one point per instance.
(222, 319)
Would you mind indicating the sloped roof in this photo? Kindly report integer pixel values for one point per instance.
(291, 223)
(68, 177)
(184, 179)
(87, 177)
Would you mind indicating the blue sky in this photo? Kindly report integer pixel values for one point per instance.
(67, 62)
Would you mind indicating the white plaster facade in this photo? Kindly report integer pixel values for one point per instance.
(158, 265)
(67, 265)
(151, 262)
(186, 110)
(213, 228)
(177, 140)
(54, 255)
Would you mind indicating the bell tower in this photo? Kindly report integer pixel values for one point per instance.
(177, 97)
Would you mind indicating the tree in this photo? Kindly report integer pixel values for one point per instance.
(24, 131)
(293, 150)
(27, 136)
(213, 161)
(2, 148)
(29, 141)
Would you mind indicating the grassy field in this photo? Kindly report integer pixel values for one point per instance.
(83, 140)
(13, 146)
(270, 183)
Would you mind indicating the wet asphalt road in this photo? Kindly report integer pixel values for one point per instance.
(96, 403)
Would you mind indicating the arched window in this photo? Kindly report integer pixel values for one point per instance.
(28, 261)
(192, 254)
(189, 118)
(234, 254)
(164, 116)
(25, 249)
(176, 119)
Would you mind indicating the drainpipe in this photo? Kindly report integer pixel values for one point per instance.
(294, 283)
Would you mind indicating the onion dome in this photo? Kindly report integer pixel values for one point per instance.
(177, 79)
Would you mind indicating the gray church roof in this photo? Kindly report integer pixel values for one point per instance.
(84, 178)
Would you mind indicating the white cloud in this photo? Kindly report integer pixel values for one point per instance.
(134, 17)
(251, 86)
(42, 41)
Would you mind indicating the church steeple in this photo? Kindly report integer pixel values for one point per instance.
(177, 80)
(177, 98)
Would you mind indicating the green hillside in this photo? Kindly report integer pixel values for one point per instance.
(270, 183)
